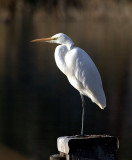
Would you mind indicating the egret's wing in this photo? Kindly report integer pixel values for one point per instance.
(86, 76)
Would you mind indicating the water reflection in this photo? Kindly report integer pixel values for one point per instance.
(37, 104)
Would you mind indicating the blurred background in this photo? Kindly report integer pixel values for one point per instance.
(37, 103)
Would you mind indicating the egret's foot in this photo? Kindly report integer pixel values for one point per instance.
(78, 136)
(81, 135)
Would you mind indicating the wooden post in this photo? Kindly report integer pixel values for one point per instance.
(93, 147)
(58, 157)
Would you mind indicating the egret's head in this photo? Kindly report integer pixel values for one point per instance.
(59, 38)
(62, 38)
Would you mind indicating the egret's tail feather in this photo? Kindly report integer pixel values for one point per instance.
(100, 100)
(101, 106)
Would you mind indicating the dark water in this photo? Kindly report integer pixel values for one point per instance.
(37, 103)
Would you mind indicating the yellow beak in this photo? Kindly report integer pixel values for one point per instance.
(43, 39)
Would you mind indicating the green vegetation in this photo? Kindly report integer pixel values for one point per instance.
(112, 9)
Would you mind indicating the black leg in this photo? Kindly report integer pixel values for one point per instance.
(83, 110)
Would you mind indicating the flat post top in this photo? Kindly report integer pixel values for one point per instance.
(67, 144)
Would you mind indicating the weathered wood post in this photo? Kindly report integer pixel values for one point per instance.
(93, 147)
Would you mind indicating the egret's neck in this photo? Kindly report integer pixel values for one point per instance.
(60, 53)
(69, 44)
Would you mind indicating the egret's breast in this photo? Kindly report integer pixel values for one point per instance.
(59, 55)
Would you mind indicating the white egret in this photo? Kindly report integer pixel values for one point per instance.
(79, 68)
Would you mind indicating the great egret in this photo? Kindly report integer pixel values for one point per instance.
(79, 68)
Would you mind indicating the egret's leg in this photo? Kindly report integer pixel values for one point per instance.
(83, 110)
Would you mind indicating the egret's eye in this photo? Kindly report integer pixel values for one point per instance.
(55, 38)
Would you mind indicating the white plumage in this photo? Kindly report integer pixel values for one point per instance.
(81, 72)
(79, 68)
